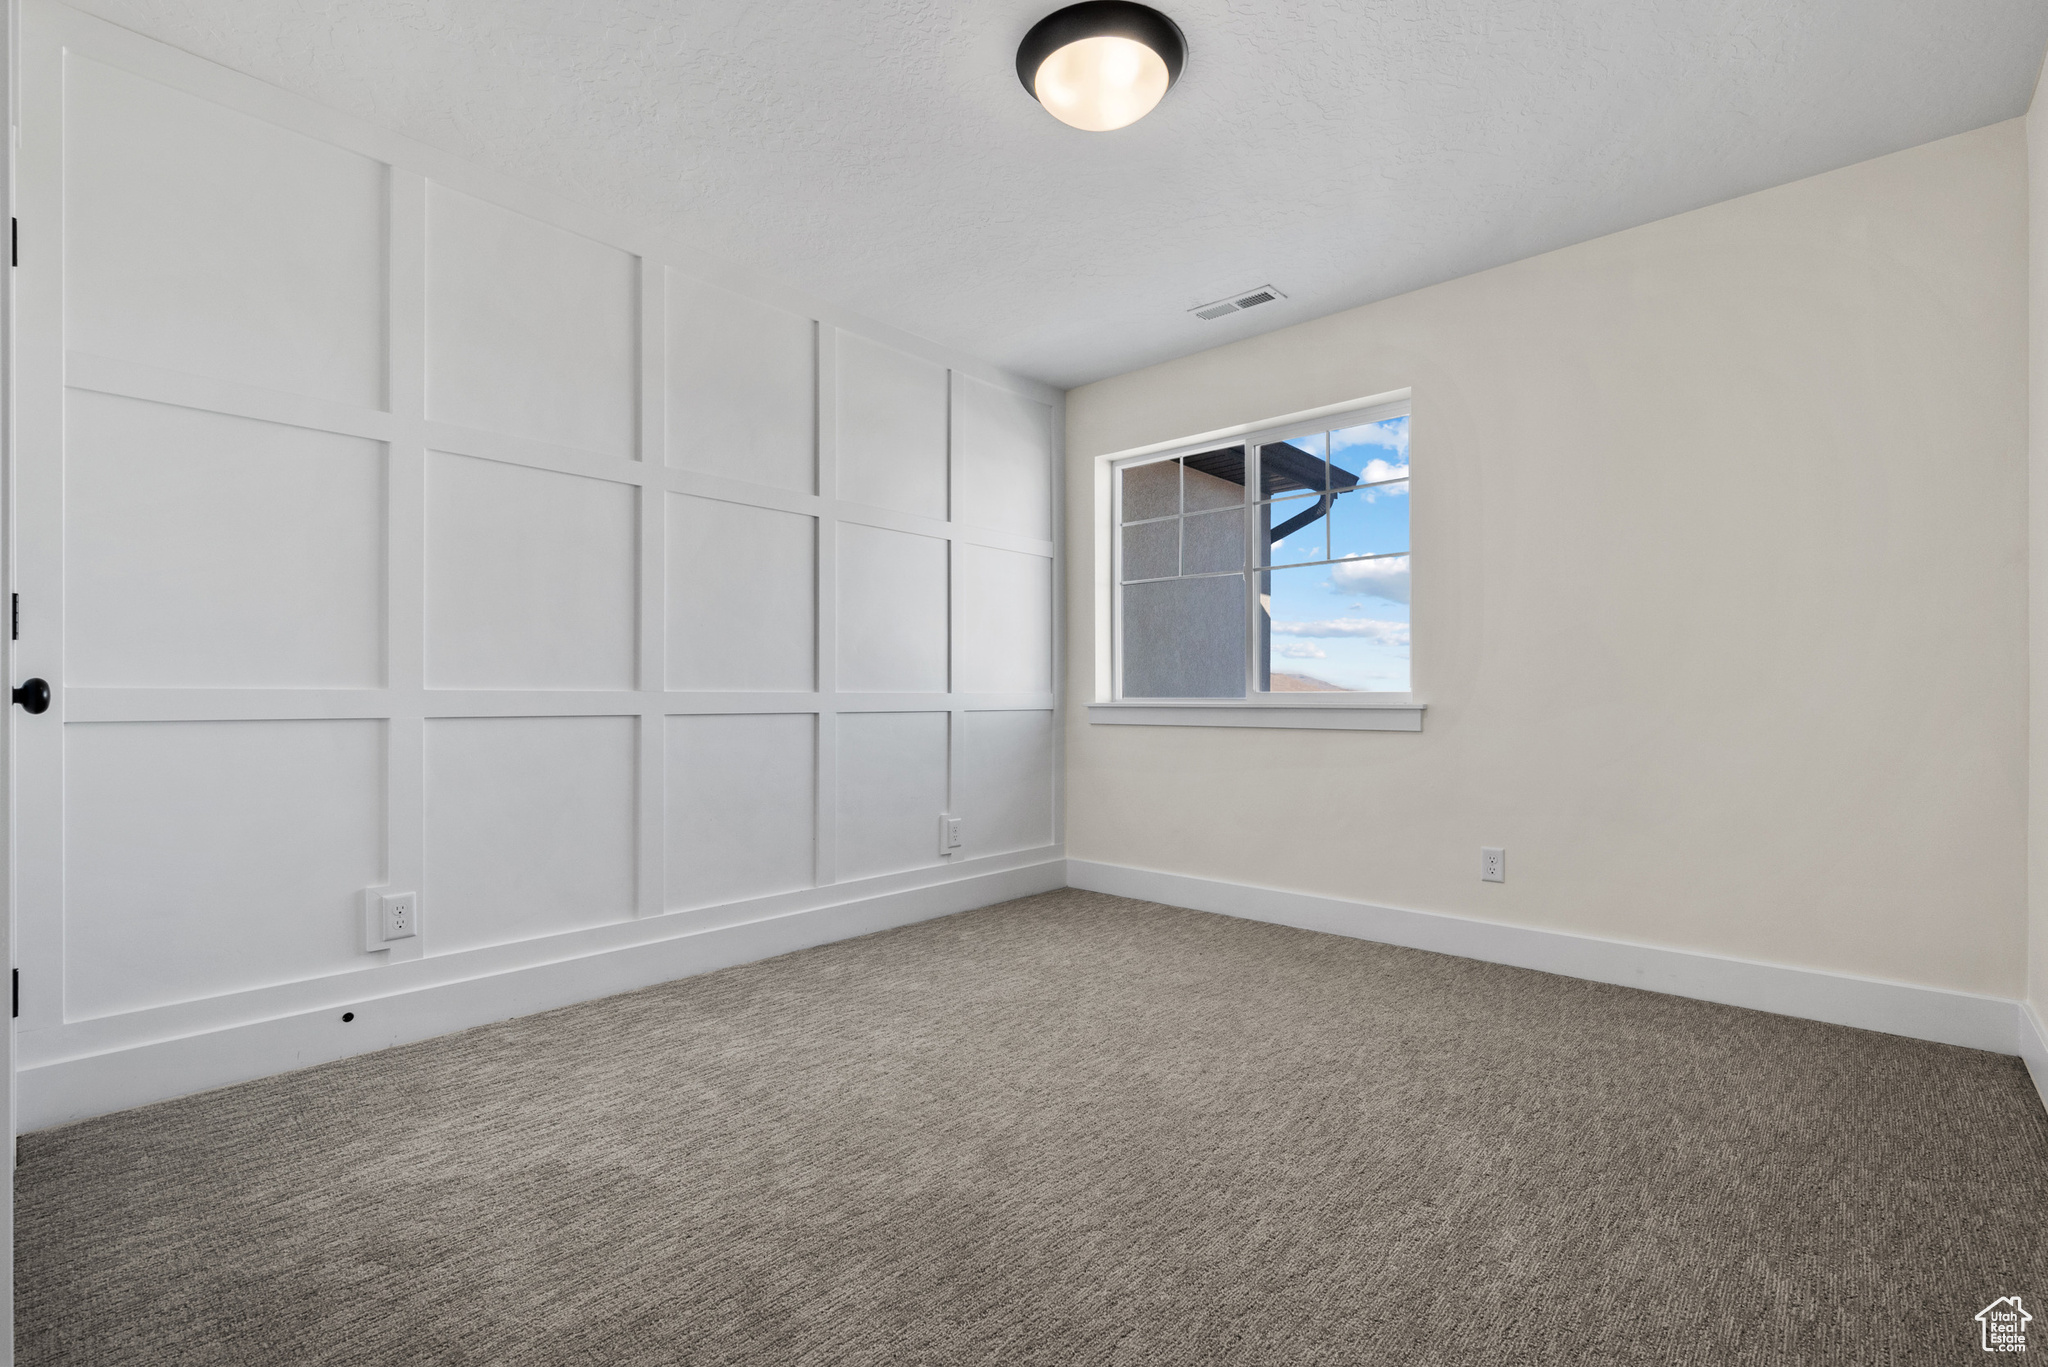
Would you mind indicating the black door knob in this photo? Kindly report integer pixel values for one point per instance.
(34, 696)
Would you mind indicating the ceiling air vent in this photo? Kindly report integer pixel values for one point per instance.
(1264, 294)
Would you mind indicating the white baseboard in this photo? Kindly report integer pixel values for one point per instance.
(2034, 1047)
(64, 1090)
(1928, 1013)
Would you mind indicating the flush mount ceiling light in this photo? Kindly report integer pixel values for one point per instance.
(1102, 64)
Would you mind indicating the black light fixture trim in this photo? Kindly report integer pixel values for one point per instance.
(1101, 19)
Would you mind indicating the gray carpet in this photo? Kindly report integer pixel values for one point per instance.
(1070, 1129)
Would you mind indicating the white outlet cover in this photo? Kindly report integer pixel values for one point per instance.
(373, 942)
(1493, 864)
(401, 915)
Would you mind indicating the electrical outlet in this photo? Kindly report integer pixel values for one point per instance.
(1493, 864)
(949, 834)
(391, 922)
(400, 915)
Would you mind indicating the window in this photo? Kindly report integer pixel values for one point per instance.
(1276, 565)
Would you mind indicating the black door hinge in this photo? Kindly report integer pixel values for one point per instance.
(14, 242)
(14, 618)
(17, 994)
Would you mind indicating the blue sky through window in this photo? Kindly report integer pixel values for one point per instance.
(1345, 624)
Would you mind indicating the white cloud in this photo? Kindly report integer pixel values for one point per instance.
(1352, 628)
(1393, 433)
(1301, 650)
(1377, 472)
(1383, 578)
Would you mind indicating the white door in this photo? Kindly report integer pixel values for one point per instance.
(9, 32)
(204, 554)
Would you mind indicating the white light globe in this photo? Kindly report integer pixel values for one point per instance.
(1101, 83)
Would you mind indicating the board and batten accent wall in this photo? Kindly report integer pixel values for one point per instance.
(386, 523)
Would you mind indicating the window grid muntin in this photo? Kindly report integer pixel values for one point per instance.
(1337, 498)
(1221, 574)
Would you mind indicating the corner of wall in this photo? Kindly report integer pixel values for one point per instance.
(2036, 989)
(2033, 1046)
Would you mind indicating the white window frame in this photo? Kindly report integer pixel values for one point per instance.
(1319, 711)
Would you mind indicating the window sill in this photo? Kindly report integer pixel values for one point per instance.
(1294, 716)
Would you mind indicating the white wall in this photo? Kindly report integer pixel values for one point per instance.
(1720, 589)
(2037, 367)
(387, 523)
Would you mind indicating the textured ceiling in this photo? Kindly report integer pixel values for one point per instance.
(881, 154)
